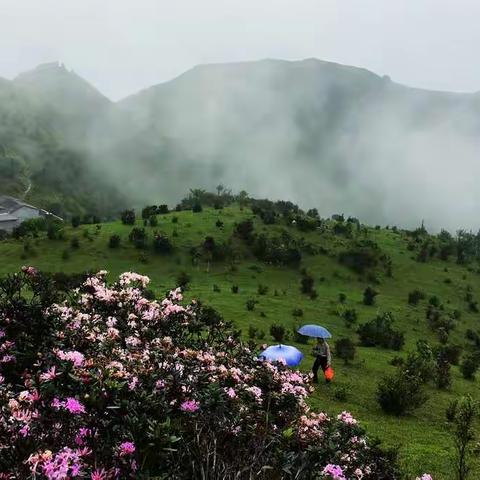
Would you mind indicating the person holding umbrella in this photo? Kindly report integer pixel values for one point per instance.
(323, 358)
(321, 350)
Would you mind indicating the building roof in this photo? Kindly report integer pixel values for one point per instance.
(5, 217)
(10, 203)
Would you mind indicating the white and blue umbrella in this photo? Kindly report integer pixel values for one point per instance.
(314, 331)
(291, 355)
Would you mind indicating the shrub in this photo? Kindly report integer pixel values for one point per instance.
(415, 296)
(114, 241)
(75, 221)
(379, 332)
(345, 349)
(421, 362)
(216, 288)
(350, 316)
(162, 209)
(245, 230)
(183, 279)
(128, 217)
(262, 289)
(341, 393)
(469, 367)
(400, 393)
(369, 296)
(138, 236)
(75, 243)
(443, 377)
(250, 304)
(252, 332)
(153, 221)
(197, 208)
(297, 312)
(363, 257)
(342, 298)
(219, 224)
(130, 423)
(306, 284)
(277, 332)
(235, 288)
(452, 353)
(462, 416)
(162, 244)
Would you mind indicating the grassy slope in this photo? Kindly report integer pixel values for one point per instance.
(421, 437)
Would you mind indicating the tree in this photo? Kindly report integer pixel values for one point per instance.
(345, 349)
(461, 416)
(128, 217)
(369, 296)
(220, 188)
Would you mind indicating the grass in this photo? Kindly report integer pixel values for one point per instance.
(422, 438)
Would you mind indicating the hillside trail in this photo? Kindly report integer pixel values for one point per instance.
(27, 190)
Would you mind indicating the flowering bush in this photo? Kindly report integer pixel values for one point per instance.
(99, 382)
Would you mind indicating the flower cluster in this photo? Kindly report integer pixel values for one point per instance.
(115, 381)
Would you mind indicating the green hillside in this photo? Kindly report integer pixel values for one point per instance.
(422, 436)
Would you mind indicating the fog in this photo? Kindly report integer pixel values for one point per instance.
(338, 139)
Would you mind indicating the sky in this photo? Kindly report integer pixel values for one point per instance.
(122, 46)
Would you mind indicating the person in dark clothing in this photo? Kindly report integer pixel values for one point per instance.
(323, 357)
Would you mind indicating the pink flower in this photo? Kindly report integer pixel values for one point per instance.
(98, 475)
(73, 406)
(49, 375)
(347, 418)
(425, 476)
(190, 406)
(334, 471)
(127, 448)
(231, 392)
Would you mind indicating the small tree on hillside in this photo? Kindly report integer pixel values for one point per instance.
(369, 296)
(461, 416)
(345, 349)
(128, 217)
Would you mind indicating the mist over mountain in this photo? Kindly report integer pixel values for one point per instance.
(338, 138)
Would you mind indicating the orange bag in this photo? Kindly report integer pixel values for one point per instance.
(329, 374)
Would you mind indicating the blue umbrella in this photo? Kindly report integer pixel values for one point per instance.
(314, 331)
(292, 356)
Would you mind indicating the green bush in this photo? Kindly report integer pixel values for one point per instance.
(250, 304)
(114, 241)
(400, 393)
(128, 217)
(162, 244)
(379, 332)
(350, 317)
(138, 236)
(262, 289)
(469, 367)
(369, 296)
(415, 296)
(183, 279)
(345, 349)
(277, 332)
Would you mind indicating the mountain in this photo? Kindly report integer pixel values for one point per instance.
(322, 134)
(45, 121)
(325, 135)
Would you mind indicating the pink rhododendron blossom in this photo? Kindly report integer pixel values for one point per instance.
(126, 448)
(190, 406)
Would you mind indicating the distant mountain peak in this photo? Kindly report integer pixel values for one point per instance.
(55, 80)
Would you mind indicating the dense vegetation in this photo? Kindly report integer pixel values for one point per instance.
(407, 322)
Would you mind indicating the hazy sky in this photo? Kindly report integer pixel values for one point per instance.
(122, 46)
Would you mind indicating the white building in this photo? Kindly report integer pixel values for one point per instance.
(13, 212)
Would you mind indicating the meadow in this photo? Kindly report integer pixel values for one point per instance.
(422, 437)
